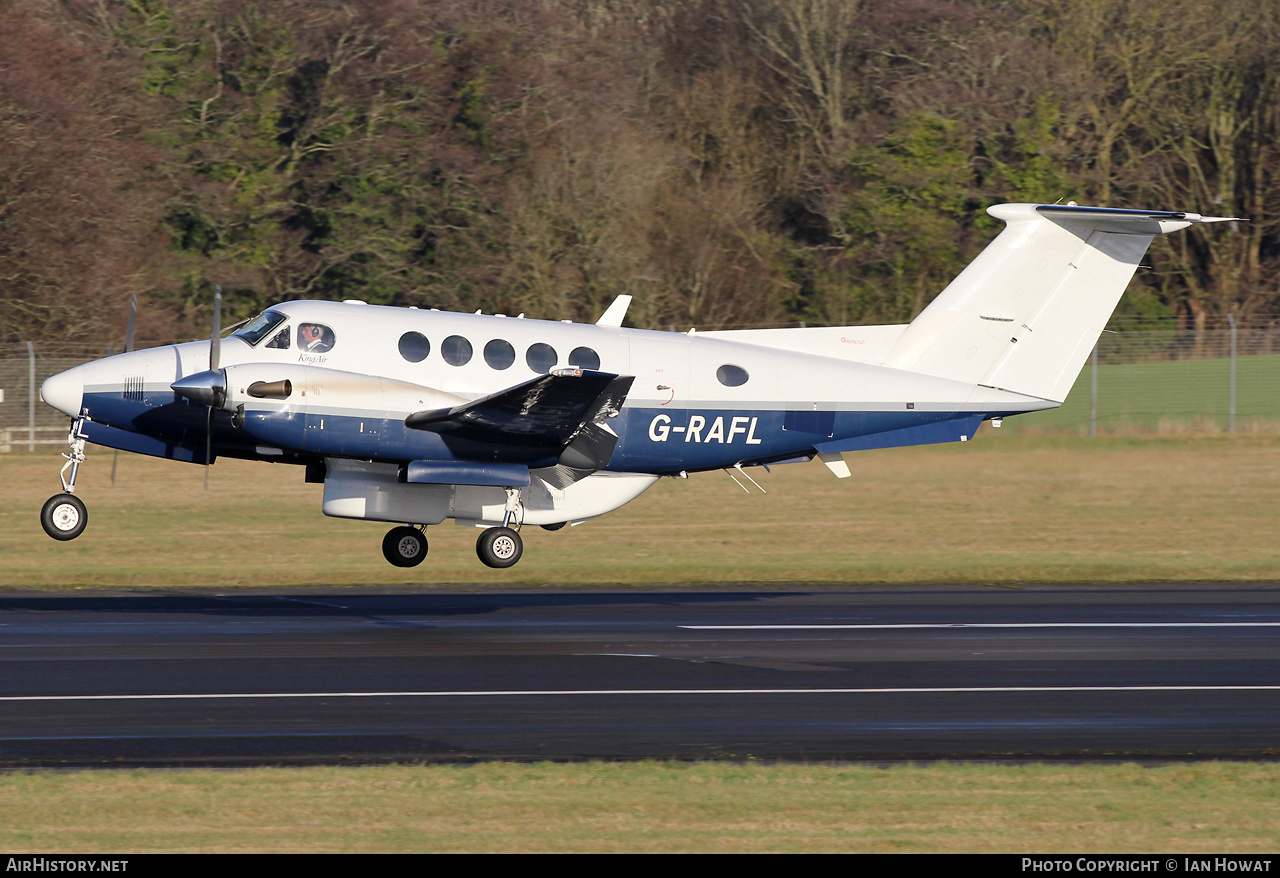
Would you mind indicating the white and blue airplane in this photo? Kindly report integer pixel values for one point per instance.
(415, 416)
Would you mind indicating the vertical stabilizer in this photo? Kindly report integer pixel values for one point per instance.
(1024, 315)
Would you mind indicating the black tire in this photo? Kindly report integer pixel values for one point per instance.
(64, 517)
(500, 547)
(404, 546)
(556, 526)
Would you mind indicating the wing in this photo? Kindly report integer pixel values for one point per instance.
(548, 412)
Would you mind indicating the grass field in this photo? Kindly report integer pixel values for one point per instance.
(654, 807)
(1004, 509)
(1183, 396)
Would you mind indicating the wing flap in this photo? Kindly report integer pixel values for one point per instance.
(549, 411)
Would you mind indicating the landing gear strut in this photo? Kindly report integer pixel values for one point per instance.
(64, 515)
(404, 546)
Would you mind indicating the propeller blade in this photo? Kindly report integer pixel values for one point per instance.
(215, 338)
(133, 318)
(208, 447)
(128, 346)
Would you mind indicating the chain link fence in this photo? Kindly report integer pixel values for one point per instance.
(26, 423)
(1144, 377)
(1153, 377)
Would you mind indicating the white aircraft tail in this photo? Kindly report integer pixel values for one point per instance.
(1024, 315)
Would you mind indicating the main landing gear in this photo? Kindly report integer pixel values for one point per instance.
(501, 547)
(405, 546)
(497, 547)
(64, 515)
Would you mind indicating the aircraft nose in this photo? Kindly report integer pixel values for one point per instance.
(64, 391)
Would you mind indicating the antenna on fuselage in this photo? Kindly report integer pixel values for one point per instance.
(614, 313)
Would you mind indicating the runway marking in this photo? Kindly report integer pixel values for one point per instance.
(821, 627)
(553, 692)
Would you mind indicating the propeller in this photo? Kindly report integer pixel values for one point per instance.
(128, 346)
(208, 388)
(215, 353)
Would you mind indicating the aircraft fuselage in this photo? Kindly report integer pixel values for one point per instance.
(697, 402)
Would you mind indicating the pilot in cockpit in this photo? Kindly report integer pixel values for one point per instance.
(314, 338)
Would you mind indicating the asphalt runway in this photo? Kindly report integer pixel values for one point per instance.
(1066, 672)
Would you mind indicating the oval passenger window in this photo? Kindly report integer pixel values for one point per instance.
(732, 376)
(456, 350)
(499, 354)
(584, 358)
(541, 357)
(414, 347)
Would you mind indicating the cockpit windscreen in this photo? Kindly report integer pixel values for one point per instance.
(260, 327)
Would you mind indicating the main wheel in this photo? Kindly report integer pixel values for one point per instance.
(499, 547)
(404, 546)
(64, 517)
(556, 526)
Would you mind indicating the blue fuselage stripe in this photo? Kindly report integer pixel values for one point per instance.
(652, 440)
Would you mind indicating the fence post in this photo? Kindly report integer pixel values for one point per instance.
(31, 397)
(1231, 407)
(1093, 390)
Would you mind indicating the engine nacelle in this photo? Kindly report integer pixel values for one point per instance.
(325, 411)
(295, 387)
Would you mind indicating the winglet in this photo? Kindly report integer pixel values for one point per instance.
(614, 313)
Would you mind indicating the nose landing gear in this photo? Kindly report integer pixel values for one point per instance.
(64, 515)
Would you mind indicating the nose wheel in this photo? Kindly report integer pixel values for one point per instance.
(64, 516)
(499, 547)
(404, 546)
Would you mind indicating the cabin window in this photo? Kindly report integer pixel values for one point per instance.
(499, 354)
(281, 341)
(584, 358)
(456, 350)
(541, 357)
(260, 327)
(732, 376)
(414, 347)
(315, 338)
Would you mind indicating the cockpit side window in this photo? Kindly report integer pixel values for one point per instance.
(260, 327)
(281, 341)
(315, 337)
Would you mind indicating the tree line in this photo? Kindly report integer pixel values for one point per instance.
(726, 162)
